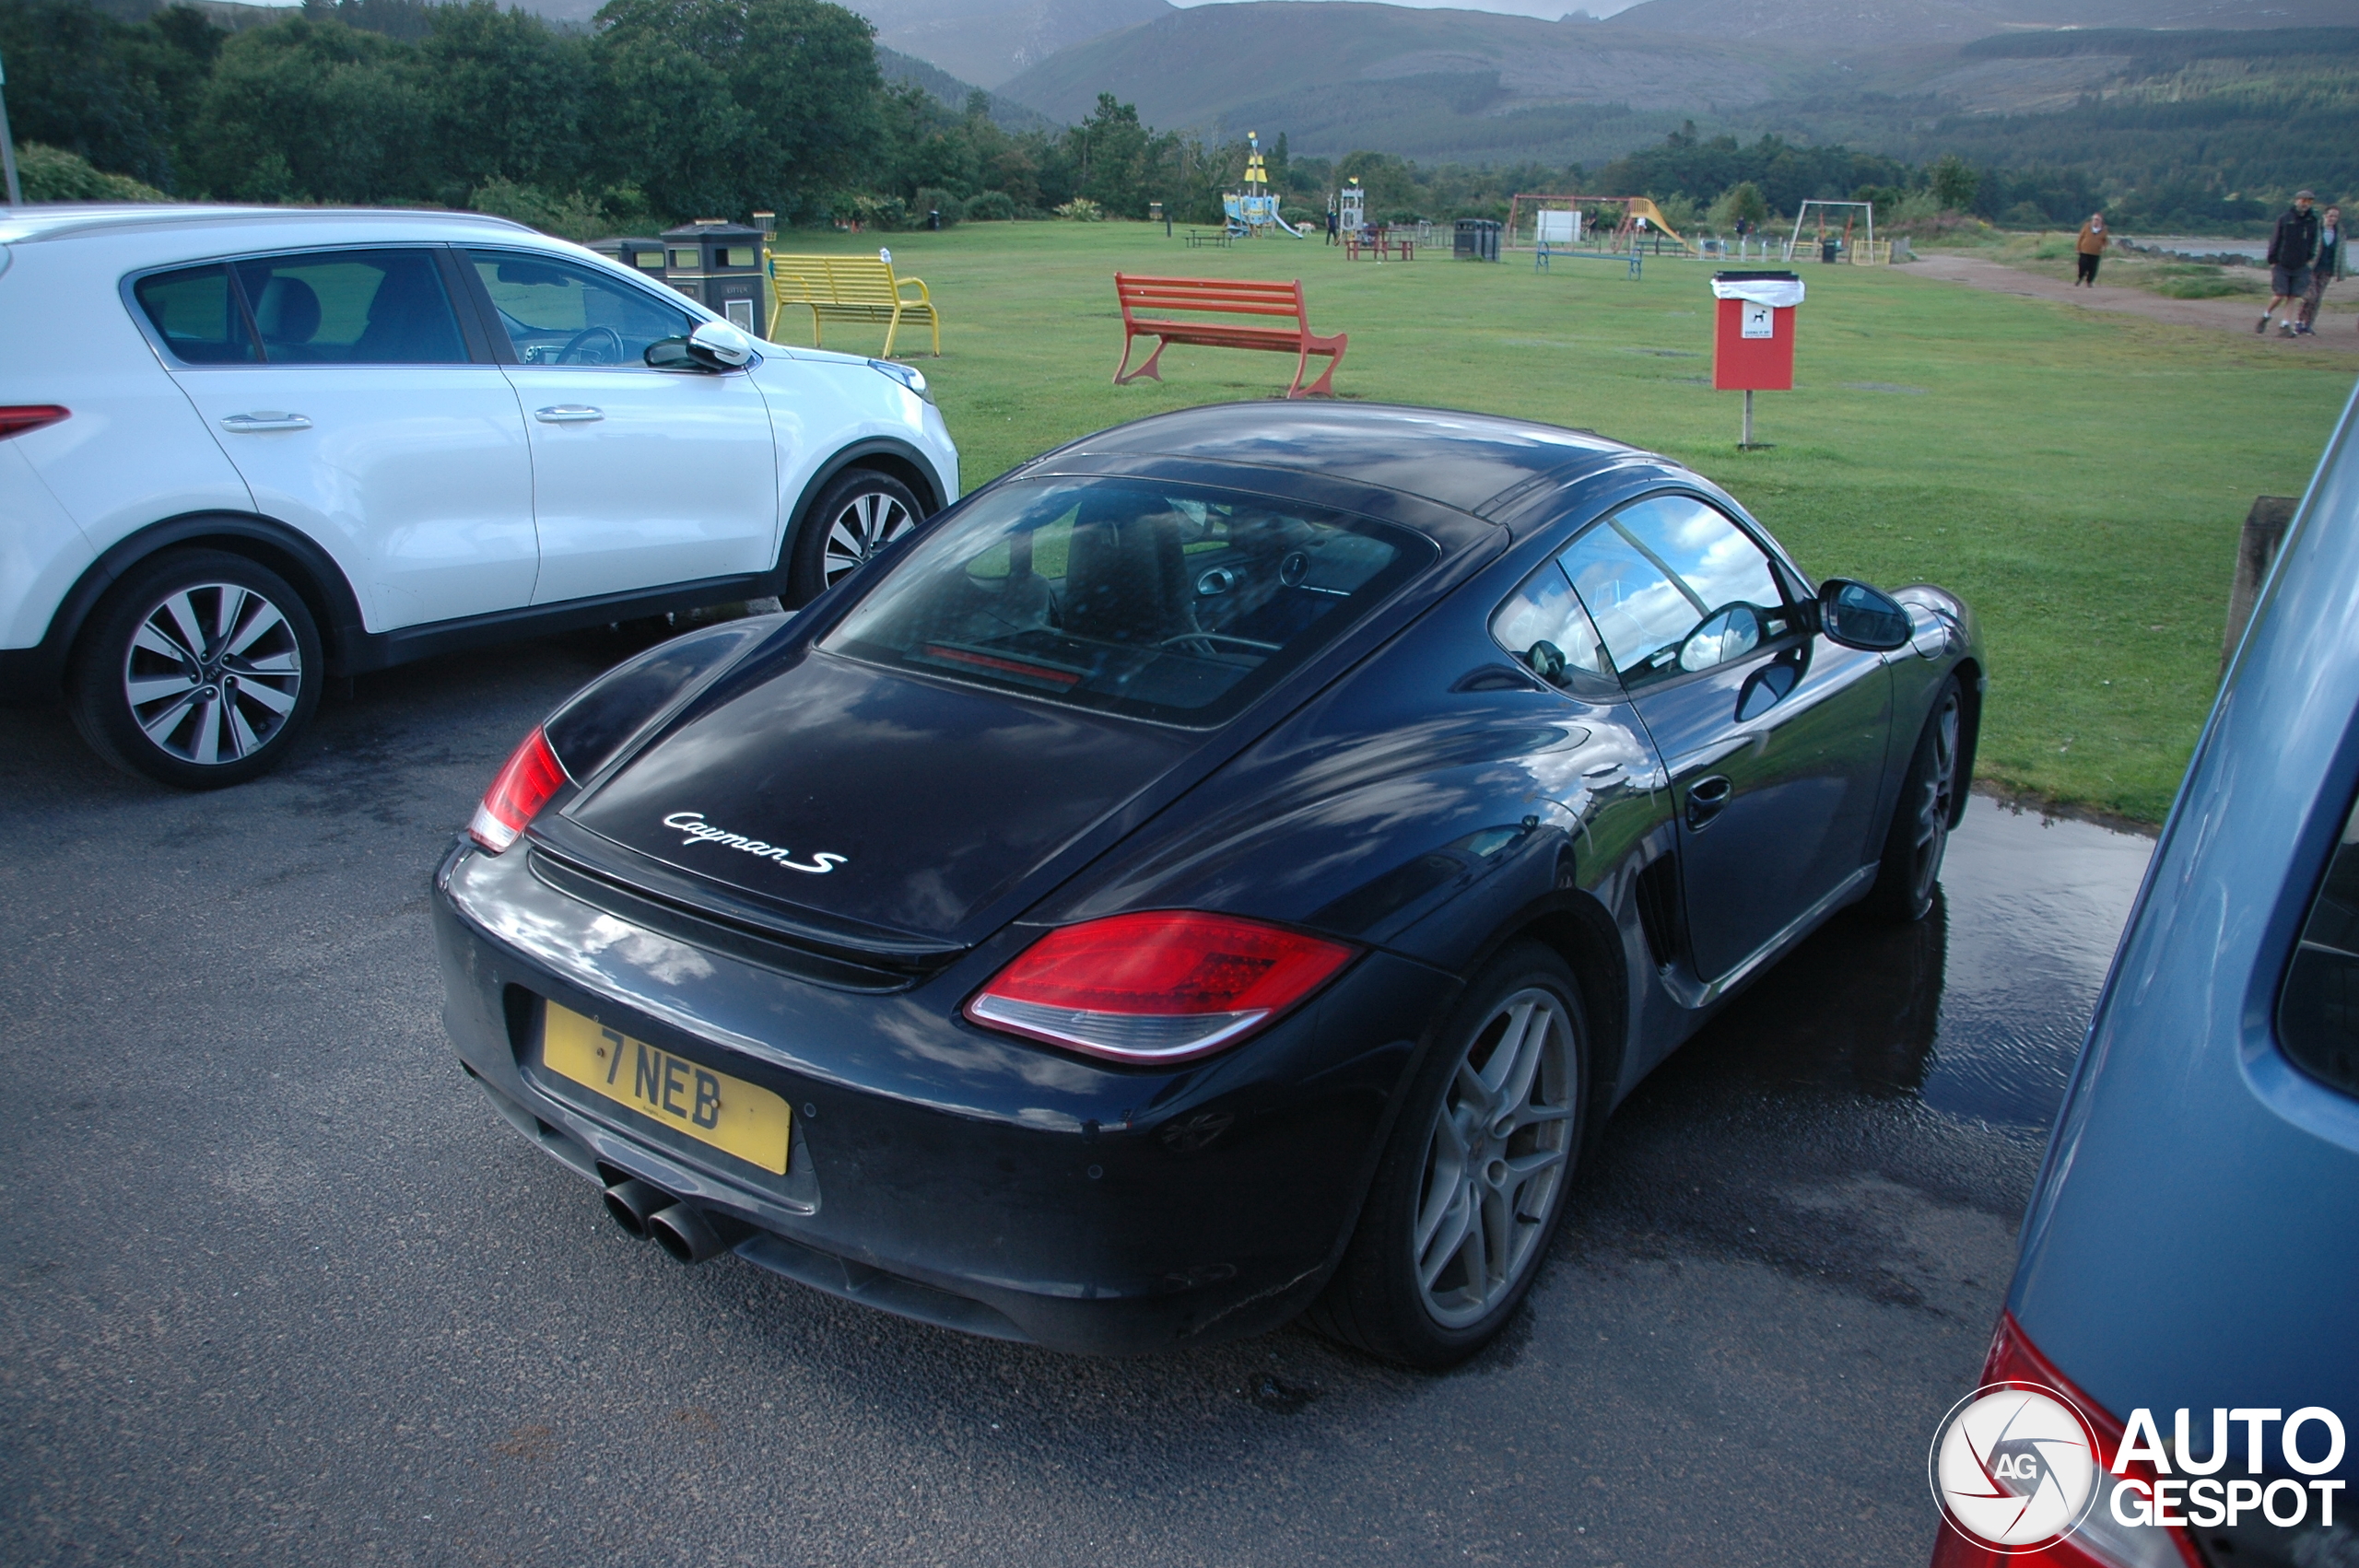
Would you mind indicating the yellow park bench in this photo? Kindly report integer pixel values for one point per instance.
(851, 289)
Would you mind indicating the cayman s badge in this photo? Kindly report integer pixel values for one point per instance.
(698, 831)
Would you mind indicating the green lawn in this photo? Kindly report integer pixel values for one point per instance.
(2080, 478)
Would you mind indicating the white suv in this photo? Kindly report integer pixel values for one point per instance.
(243, 451)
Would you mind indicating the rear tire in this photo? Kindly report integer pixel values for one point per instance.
(1473, 1183)
(1919, 834)
(199, 670)
(858, 513)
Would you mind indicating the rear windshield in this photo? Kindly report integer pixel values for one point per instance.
(1168, 602)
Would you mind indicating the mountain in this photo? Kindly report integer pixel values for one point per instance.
(952, 93)
(1862, 26)
(1465, 85)
(986, 41)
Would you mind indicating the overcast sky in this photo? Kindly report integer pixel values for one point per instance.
(1547, 9)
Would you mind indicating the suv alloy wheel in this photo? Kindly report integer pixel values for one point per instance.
(858, 513)
(198, 670)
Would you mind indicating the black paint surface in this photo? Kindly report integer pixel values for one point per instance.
(281, 1289)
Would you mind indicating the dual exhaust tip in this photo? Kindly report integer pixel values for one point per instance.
(690, 1234)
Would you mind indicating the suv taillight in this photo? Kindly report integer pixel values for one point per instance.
(522, 787)
(2100, 1543)
(17, 419)
(1170, 985)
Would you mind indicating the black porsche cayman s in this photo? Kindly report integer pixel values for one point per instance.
(1231, 865)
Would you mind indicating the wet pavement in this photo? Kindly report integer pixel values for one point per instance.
(281, 1288)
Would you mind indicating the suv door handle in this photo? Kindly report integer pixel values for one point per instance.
(245, 424)
(1705, 799)
(567, 414)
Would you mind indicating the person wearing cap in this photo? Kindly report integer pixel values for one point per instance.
(2324, 268)
(2290, 248)
(2091, 247)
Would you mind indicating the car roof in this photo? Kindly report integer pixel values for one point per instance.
(66, 220)
(1464, 461)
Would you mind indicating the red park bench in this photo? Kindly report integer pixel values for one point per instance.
(1148, 303)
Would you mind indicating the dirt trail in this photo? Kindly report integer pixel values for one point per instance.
(2335, 334)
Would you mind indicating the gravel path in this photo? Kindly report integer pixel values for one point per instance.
(2335, 334)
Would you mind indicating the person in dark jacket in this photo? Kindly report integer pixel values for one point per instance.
(2290, 250)
(2324, 268)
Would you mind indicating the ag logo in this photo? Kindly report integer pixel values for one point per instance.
(2015, 1467)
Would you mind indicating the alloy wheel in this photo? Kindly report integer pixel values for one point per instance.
(213, 673)
(1498, 1150)
(1936, 795)
(868, 522)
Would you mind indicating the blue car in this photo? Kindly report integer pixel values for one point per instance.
(2189, 1272)
(1231, 865)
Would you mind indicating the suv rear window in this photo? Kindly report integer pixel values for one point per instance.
(2317, 1011)
(1174, 604)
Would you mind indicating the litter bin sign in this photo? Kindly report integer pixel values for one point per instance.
(1753, 345)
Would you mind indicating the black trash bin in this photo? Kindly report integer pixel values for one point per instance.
(719, 266)
(1830, 250)
(1476, 240)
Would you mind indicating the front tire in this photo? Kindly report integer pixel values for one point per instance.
(1919, 834)
(858, 513)
(1473, 1184)
(199, 670)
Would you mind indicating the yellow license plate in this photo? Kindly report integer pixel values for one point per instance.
(732, 1115)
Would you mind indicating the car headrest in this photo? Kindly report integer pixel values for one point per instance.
(287, 312)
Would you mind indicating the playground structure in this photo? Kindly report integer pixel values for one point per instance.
(1561, 223)
(1870, 253)
(1254, 209)
(1351, 208)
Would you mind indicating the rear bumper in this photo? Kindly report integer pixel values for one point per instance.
(941, 1171)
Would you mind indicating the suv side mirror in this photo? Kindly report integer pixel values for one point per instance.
(713, 346)
(1858, 616)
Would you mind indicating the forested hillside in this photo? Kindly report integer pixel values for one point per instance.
(660, 111)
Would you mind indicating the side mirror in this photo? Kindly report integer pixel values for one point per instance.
(713, 346)
(1858, 616)
(1731, 632)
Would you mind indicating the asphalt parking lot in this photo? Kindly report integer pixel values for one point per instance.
(282, 1288)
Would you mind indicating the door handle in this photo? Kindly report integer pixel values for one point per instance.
(1705, 799)
(247, 424)
(567, 414)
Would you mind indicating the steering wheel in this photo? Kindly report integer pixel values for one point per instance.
(565, 355)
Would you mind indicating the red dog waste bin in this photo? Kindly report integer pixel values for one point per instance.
(1752, 341)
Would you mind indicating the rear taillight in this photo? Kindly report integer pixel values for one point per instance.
(2101, 1541)
(523, 785)
(1161, 986)
(17, 419)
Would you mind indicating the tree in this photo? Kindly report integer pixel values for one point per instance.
(731, 104)
(110, 93)
(313, 110)
(1954, 183)
(506, 97)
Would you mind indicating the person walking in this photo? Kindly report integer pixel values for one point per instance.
(2324, 268)
(2290, 248)
(1331, 225)
(2093, 241)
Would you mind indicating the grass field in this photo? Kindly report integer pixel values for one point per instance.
(2080, 478)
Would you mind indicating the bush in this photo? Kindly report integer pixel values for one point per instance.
(868, 211)
(1081, 209)
(53, 174)
(570, 216)
(991, 206)
(933, 199)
